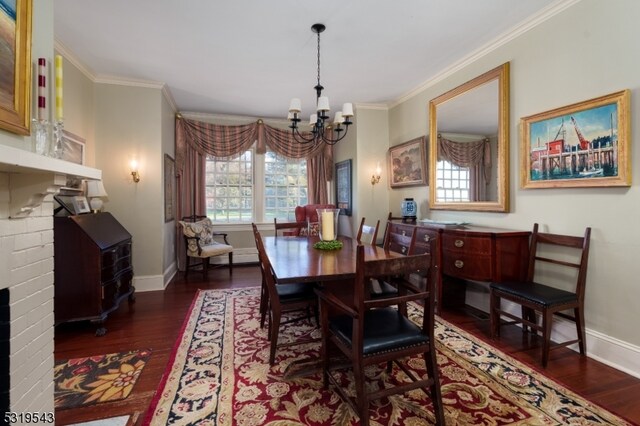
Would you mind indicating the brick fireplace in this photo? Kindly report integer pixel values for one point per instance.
(27, 183)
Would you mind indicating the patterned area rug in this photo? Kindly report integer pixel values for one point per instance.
(101, 378)
(219, 374)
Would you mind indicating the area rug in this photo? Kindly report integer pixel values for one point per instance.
(100, 378)
(219, 375)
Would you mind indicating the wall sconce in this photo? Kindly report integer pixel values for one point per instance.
(375, 178)
(134, 171)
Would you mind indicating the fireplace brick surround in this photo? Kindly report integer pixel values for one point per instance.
(27, 182)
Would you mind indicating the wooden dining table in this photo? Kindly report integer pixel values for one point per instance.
(294, 259)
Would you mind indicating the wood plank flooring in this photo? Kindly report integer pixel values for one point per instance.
(154, 321)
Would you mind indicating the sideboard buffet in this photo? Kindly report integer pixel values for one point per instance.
(475, 253)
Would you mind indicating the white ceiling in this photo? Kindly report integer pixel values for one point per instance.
(250, 57)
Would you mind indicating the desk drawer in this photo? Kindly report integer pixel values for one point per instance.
(467, 266)
(466, 244)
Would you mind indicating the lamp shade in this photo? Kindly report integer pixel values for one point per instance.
(95, 188)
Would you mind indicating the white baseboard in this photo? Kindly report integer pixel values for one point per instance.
(615, 353)
(169, 273)
(148, 283)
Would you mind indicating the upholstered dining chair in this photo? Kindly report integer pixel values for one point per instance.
(200, 241)
(369, 232)
(371, 332)
(308, 214)
(535, 297)
(277, 299)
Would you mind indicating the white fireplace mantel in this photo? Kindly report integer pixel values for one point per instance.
(30, 177)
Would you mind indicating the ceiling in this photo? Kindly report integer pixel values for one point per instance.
(250, 57)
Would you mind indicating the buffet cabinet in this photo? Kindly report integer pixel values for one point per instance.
(93, 268)
(473, 253)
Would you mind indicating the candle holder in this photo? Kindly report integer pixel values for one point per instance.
(328, 221)
(57, 147)
(41, 137)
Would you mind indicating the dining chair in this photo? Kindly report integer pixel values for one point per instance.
(371, 332)
(400, 242)
(200, 241)
(534, 297)
(368, 231)
(289, 228)
(279, 299)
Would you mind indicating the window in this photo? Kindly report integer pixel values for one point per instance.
(452, 182)
(255, 187)
(230, 189)
(285, 186)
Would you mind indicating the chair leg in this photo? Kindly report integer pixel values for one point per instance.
(361, 396)
(579, 316)
(205, 267)
(273, 337)
(547, 319)
(435, 391)
(494, 306)
(264, 304)
(231, 263)
(186, 269)
(530, 315)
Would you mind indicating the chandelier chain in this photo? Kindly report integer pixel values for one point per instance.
(318, 59)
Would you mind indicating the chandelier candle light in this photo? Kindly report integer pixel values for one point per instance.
(319, 121)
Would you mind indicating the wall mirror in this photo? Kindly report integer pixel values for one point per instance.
(469, 142)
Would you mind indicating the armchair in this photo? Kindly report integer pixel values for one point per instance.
(308, 214)
(200, 243)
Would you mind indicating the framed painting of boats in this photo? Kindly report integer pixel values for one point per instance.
(580, 145)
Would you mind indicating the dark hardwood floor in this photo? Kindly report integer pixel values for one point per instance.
(154, 320)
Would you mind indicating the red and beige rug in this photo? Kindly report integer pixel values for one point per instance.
(100, 378)
(219, 375)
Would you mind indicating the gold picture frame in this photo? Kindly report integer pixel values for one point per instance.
(15, 68)
(590, 147)
(407, 163)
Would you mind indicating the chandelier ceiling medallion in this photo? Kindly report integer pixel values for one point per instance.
(319, 121)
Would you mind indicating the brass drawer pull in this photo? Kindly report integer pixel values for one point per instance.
(404, 249)
(458, 264)
(427, 238)
(458, 243)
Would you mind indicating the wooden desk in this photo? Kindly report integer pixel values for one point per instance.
(294, 259)
(474, 253)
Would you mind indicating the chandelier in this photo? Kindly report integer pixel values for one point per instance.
(319, 122)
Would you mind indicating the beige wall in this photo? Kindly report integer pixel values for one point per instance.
(168, 147)
(129, 125)
(586, 51)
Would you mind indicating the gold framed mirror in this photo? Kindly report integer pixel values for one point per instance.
(469, 145)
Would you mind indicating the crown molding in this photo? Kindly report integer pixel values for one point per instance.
(69, 56)
(381, 107)
(535, 20)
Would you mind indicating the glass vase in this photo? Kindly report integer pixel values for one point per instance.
(328, 224)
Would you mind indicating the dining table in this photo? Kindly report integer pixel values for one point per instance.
(294, 259)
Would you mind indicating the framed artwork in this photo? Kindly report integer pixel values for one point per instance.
(15, 71)
(72, 147)
(80, 204)
(580, 145)
(343, 187)
(169, 183)
(408, 163)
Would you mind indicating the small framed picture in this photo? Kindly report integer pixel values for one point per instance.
(343, 187)
(408, 163)
(72, 148)
(80, 204)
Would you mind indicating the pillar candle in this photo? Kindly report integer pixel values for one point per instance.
(328, 233)
(58, 69)
(42, 89)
